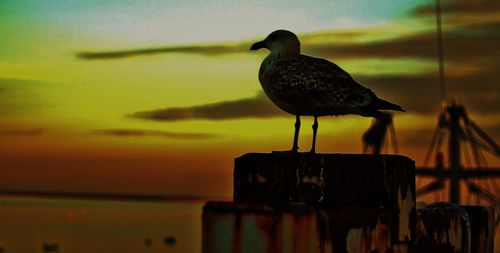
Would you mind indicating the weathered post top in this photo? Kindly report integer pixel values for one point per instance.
(329, 180)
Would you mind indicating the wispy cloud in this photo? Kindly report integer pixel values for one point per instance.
(460, 7)
(416, 93)
(153, 133)
(471, 54)
(461, 45)
(341, 36)
(196, 49)
(258, 106)
(420, 94)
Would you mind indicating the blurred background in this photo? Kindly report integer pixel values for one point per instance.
(150, 101)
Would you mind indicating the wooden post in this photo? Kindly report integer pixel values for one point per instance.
(332, 180)
(303, 202)
(337, 203)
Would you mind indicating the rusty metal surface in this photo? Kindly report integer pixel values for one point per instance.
(267, 228)
(356, 230)
(319, 203)
(331, 180)
(294, 228)
(443, 227)
(482, 227)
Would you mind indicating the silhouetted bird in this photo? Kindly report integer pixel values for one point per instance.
(306, 86)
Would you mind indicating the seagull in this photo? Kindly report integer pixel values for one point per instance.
(307, 86)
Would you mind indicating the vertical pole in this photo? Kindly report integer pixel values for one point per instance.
(454, 152)
(439, 35)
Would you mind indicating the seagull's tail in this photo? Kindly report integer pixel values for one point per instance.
(384, 105)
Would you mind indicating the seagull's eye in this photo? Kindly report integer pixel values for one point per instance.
(272, 37)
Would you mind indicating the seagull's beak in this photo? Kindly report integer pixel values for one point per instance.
(258, 45)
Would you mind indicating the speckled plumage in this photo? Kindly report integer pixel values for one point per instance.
(304, 85)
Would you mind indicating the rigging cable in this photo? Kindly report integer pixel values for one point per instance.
(440, 50)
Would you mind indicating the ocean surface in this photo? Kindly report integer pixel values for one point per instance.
(98, 226)
(27, 224)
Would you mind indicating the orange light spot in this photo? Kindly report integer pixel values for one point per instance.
(70, 215)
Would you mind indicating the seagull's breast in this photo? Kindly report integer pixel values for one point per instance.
(270, 87)
(266, 68)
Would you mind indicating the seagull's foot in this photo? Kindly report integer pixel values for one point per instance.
(292, 151)
(312, 151)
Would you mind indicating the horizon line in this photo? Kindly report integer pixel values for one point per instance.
(109, 195)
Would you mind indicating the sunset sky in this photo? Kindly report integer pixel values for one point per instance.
(179, 99)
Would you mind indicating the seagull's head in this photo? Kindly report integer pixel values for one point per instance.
(280, 42)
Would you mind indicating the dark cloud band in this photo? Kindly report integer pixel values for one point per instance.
(206, 50)
(254, 107)
(153, 133)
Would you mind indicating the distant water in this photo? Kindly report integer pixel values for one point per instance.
(102, 226)
(99, 226)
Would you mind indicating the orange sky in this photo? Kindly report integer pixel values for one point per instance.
(70, 123)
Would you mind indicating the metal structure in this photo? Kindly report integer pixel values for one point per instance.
(463, 136)
(287, 202)
(381, 132)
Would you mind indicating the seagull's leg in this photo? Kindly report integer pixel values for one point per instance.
(315, 130)
(295, 147)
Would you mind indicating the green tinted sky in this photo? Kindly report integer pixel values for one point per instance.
(65, 122)
(71, 25)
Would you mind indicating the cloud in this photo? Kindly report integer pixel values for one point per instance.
(255, 107)
(420, 94)
(22, 132)
(153, 133)
(460, 7)
(219, 49)
(461, 45)
(204, 50)
(416, 93)
(477, 31)
(472, 60)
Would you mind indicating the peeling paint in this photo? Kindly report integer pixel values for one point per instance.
(267, 228)
(332, 180)
(325, 239)
(453, 235)
(443, 227)
(367, 240)
(347, 191)
(482, 224)
(406, 206)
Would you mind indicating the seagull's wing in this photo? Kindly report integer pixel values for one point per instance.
(314, 82)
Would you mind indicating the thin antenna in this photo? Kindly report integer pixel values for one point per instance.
(439, 34)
